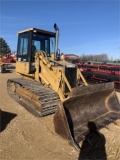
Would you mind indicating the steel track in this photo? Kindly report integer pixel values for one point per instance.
(47, 97)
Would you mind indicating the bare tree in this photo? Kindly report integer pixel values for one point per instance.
(97, 57)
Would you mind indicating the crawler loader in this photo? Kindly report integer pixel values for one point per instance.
(49, 85)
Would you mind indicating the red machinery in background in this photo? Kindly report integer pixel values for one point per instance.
(9, 58)
(96, 73)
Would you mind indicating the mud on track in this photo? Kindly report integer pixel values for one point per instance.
(25, 137)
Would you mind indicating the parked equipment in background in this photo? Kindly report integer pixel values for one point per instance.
(9, 58)
(95, 73)
(2, 65)
(50, 85)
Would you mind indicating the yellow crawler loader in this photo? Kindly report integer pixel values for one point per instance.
(49, 85)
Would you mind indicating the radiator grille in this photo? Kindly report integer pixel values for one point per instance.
(71, 74)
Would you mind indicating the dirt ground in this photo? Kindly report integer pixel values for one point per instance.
(25, 137)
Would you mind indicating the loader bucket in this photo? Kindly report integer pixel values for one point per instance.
(95, 103)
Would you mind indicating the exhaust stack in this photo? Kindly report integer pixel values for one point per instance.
(57, 54)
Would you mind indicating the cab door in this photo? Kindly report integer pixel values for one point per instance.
(23, 54)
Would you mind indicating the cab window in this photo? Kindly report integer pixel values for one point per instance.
(23, 44)
(44, 42)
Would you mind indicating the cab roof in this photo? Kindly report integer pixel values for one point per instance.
(37, 30)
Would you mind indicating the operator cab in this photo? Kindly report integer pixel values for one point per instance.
(29, 42)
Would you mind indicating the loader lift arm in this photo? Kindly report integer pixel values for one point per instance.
(56, 73)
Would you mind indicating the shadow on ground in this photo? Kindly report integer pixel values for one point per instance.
(7, 71)
(93, 147)
(5, 118)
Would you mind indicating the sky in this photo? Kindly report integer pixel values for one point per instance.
(86, 26)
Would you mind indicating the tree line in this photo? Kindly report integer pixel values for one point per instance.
(96, 57)
(4, 47)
